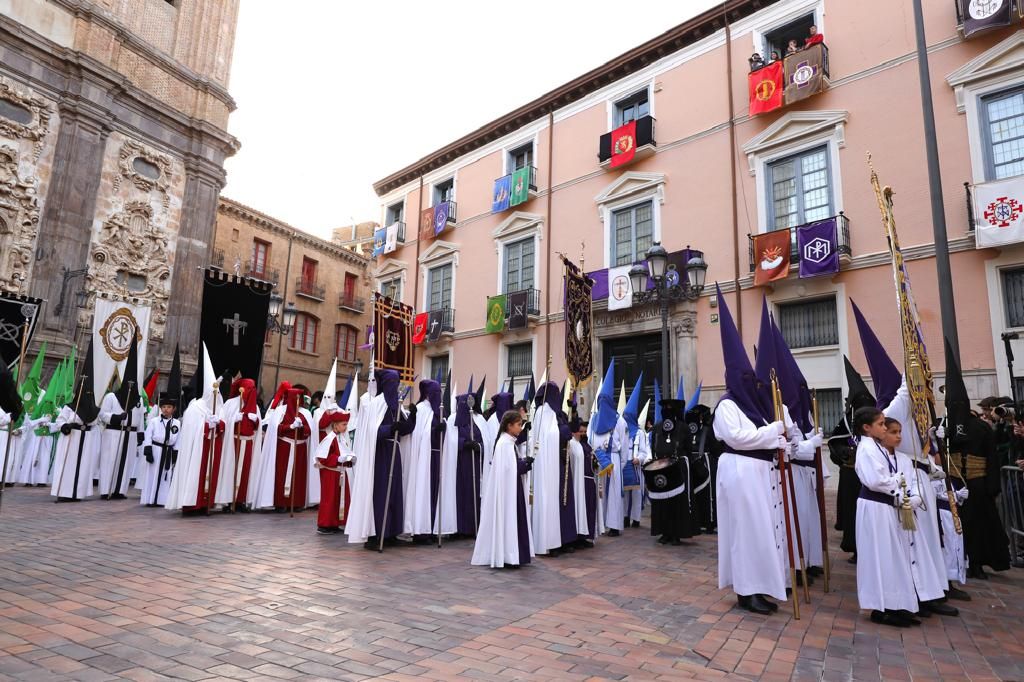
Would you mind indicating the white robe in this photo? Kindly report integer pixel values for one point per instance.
(752, 556)
(615, 442)
(5, 424)
(361, 525)
(112, 443)
(953, 549)
(446, 517)
(35, 464)
(632, 500)
(805, 488)
(578, 459)
(929, 579)
(901, 409)
(263, 496)
(547, 533)
(185, 482)
(497, 540)
(418, 519)
(67, 455)
(157, 430)
(884, 579)
(229, 475)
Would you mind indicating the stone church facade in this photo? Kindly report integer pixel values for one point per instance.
(113, 136)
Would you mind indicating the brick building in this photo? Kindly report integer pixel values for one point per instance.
(326, 281)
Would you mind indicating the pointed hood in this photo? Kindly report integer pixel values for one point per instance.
(657, 402)
(387, 385)
(347, 393)
(741, 384)
(210, 383)
(681, 389)
(884, 374)
(279, 396)
(31, 387)
(858, 395)
(642, 419)
(548, 394)
(129, 390)
(84, 402)
(593, 404)
(695, 398)
(530, 391)
(958, 405)
(620, 406)
(470, 389)
(607, 414)
(631, 413)
(173, 390)
(247, 401)
(795, 393)
(446, 397)
(331, 387)
(502, 403)
(478, 407)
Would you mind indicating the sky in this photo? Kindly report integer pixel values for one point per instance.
(333, 95)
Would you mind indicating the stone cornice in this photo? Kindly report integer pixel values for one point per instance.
(262, 220)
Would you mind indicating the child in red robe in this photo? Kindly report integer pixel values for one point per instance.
(333, 457)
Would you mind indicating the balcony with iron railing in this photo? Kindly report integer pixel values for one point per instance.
(428, 226)
(532, 302)
(645, 142)
(447, 322)
(401, 230)
(310, 288)
(842, 239)
(349, 301)
(217, 259)
(266, 274)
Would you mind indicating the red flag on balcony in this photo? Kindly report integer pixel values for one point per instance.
(771, 256)
(419, 328)
(623, 144)
(766, 88)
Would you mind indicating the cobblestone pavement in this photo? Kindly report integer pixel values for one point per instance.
(110, 590)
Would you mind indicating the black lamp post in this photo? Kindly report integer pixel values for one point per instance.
(282, 326)
(668, 288)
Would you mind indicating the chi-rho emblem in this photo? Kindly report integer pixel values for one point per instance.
(817, 250)
(116, 333)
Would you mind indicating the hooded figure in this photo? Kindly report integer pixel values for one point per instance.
(78, 444)
(671, 500)
(426, 445)
(548, 482)
(122, 415)
(975, 476)
(377, 514)
(928, 565)
(334, 460)
(199, 447)
(466, 440)
(500, 404)
(638, 453)
(751, 531)
(242, 441)
(842, 447)
(608, 435)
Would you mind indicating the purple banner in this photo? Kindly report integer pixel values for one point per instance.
(440, 217)
(818, 246)
(600, 289)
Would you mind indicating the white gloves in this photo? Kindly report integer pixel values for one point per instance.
(940, 432)
(816, 439)
(915, 502)
(780, 428)
(936, 474)
(253, 418)
(212, 421)
(783, 444)
(961, 495)
(297, 424)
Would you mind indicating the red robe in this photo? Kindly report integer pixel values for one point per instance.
(814, 40)
(300, 436)
(332, 491)
(243, 454)
(206, 493)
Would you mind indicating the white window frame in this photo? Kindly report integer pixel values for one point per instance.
(440, 253)
(391, 269)
(387, 208)
(1007, 260)
(768, 201)
(503, 354)
(611, 104)
(506, 153)
(433, 356)
(629, 189)
(438, 181)
(779, 15)
(516, 227)
(794, 133)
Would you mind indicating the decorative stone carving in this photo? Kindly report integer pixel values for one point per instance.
(34, 130)
(19, 222)
(684, 324)
(130, 151)
(129, 258)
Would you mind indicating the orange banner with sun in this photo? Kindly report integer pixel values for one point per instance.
(771, 256)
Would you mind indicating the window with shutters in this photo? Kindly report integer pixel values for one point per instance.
(392, 288)
(260, 256)
(830, 407)
(304, 334)
(799, 189)
(632, 233)
(439, 291)
(633, 107)
(1003, 133)
(444, 191)
(395, 213)
(806, 324)
(439, 368)
(1013, 296)
(346, 342)
(519, 264)
(520, 157)
(519, 359)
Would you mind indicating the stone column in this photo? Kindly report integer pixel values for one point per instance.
(203, 183)
(683, 325)
(65, 229)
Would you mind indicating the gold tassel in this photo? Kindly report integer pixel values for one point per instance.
(906, 512)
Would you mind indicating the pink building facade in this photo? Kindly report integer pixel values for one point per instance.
(708, 175)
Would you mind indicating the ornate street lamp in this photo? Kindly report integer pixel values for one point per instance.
(668, 288)
(281, 323)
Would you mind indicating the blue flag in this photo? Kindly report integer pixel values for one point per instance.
(380, 236)
(502, 192)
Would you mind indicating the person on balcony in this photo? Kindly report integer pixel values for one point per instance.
(792, 48)
(814, 38)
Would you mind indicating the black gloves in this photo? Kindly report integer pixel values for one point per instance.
(148, 451)
(412, 412)
(438, 428)
(116, 420)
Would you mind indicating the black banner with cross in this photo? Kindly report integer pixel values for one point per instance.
(234, 322)
(15, 311)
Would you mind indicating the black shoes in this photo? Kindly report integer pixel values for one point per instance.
(755, 603)
(977, 572)
(636, 524)
(888, 618)
(613, 533)
(815, 571)
(938, 607)
(956, 593)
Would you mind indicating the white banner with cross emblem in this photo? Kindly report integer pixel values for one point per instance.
(999, 212)
(111, 331)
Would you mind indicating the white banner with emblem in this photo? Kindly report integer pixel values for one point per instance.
(620, 288)
(999, 212)
(111, 336)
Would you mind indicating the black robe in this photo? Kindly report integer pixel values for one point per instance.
(984, 538)
(843, 452)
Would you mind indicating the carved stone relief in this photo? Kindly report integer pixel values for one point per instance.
(39, 109)
(19, 222)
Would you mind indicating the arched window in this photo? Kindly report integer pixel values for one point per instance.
(346, 339)
(304, 333)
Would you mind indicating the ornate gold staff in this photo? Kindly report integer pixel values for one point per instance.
(777, 404)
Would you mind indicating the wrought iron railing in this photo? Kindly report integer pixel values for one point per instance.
(532, 301)
(310, 288)
(970, 207)
(644, 138)
(266, 274)
(351, 302)
(217, 258)
(842, 239)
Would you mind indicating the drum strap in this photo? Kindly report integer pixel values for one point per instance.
(667, 494)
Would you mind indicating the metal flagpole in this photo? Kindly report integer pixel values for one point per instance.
(777, 403)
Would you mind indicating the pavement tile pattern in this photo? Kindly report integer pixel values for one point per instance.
(110, 591)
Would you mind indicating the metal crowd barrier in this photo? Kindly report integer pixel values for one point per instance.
(1012, 508)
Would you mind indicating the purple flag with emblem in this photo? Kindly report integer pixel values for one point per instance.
(818, 246)
(440, 217)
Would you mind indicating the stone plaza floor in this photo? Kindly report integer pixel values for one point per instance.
(110, 590)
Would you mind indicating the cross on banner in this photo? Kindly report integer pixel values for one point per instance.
(234, 324)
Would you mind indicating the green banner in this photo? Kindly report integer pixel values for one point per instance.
(520, 186)
(496, 314)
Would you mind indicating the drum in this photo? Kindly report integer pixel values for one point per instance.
(630, 477)
(664, 478)
(604, 462)
(700, 473)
